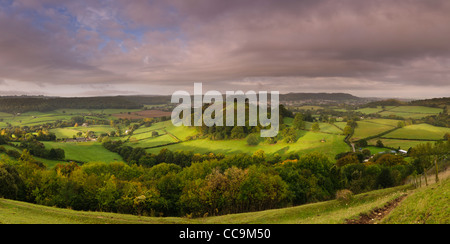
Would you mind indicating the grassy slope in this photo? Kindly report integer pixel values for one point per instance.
(85, 151)
(423, 205)
(395, 143)
(14, 212)
(308, 142)
(428, 205)
(419, 131)
(368, 128)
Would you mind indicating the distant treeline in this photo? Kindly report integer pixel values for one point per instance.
(434, 102)
(44, 104)
(20, 104)
(204, 185)
(387, 102)
(317, 96)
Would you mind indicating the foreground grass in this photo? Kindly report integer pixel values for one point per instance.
(329, 212)
(427, 205)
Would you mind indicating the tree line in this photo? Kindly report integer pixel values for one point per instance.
(21, 104)
(196, 185)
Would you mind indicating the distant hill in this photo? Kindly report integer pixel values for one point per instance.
(283, 97)
(434, 102)
(387, 102)
(318, 96)
(21, 104)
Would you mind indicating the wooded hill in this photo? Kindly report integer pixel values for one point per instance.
(23, 104)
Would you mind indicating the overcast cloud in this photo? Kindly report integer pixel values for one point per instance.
(111, 47)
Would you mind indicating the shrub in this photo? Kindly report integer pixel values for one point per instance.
(253, 140)
(344, 196)
(385, 179)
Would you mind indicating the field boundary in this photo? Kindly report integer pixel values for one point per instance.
(377, 213)
(410, 139)
(380, 134)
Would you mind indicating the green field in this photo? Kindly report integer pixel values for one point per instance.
(370, 110)
(413, 112)
(152, 141)
(85, 151)
(308, 142)
(69, 132)
(167, 133)
(367, 128)
(419, 131)
(179, 138)
(324, 127)
(396, 143)
(416, 109)
(428, 205)
(37, 118)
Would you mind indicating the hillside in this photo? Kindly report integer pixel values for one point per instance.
(318, 96)
(428, 205)
(15, 212)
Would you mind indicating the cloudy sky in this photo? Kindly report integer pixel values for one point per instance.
(111, 47)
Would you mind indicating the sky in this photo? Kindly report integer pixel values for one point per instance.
(371, 48)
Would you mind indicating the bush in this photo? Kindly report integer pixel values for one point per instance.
(385, 178)
(253, 140)
(379, 144)
(10, 182)
(344, 196)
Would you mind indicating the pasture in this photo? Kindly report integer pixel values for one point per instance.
(85, 151)
(396, 143)
(411, 112)
(419, 132)
(167, 133)
(70, 132)
(308, 142)
(325, 128)
(329, 140)
(368, 128)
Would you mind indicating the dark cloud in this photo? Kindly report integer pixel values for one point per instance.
(363, 47)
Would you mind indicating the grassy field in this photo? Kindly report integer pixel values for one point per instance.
(36, 118)
(367, 128)
(416, 109)
(308, 142)
(419, 131)
(396, 143)
(69, 132)
(329, 212)
(370, 110)
(85, 151)
(324, 127)
(428, 205)
(413, 112)
(48, 162)
(167, 133)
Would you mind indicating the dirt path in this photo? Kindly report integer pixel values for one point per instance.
(378, 213)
